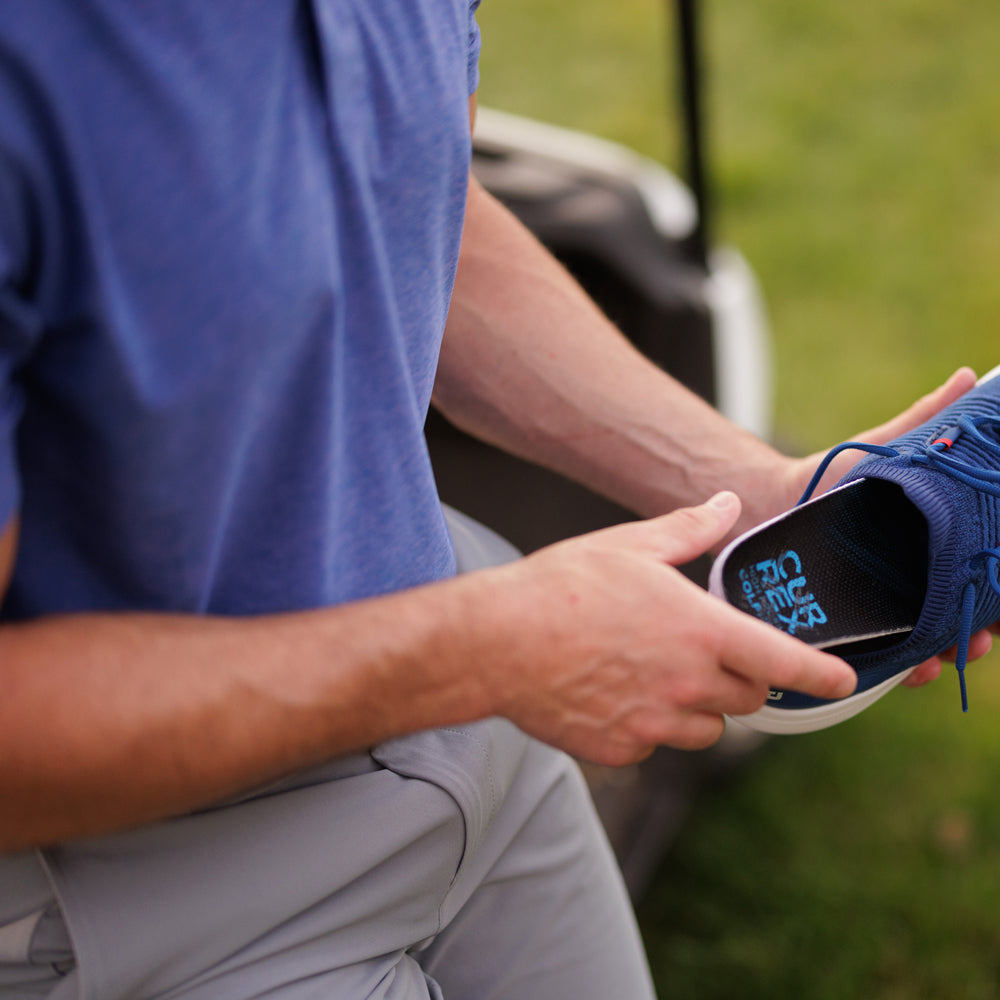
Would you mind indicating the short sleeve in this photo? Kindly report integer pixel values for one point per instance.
(475, 44)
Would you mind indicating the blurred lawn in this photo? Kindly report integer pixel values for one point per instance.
(856, 152)
(862, 861)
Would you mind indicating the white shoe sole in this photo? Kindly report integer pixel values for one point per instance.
(992, 373)
(781, 721)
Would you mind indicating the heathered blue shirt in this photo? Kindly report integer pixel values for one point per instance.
(228, 235)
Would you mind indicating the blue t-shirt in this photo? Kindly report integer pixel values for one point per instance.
(228, 236)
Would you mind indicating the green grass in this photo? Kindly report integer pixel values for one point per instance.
(862, 861)
(856, 155)
(855, 152)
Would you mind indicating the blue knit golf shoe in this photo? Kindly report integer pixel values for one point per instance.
(894, 565)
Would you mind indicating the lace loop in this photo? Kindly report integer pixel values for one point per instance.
(873, 449)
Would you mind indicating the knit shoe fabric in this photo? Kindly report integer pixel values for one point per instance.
(896, 564)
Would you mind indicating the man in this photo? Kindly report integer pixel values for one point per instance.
(256, 739)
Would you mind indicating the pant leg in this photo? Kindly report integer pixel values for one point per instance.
(457, 864)
(541, 911)
(34, 951)
(467, 863)
(331, 882)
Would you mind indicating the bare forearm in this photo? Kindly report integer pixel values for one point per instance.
(530, 364)
(113, 721)
(109, 721)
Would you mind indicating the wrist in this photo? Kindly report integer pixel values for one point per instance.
(767, 490)
(501, 632)
(458, 661)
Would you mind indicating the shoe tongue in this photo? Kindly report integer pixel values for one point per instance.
(935, 495)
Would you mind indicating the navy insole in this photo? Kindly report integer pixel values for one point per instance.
(849, 571)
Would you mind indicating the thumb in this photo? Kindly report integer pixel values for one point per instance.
(689, 532)
(923, 409)
(913, 416)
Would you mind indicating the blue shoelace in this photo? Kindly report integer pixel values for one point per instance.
(934, 455)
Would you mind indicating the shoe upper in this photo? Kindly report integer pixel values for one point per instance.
(961, 523)
(949, 473)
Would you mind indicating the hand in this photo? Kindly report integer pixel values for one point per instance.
(614, 651)
(930, 670)
(913, 416)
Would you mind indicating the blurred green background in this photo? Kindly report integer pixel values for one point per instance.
(855, 151)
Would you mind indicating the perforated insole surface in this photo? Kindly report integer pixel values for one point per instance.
(849, 571)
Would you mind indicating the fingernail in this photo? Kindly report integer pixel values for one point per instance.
(724, 500)
(847, 685)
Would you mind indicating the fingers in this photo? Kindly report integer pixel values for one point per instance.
(925, 673)
(735, 694)
(692, 731)
(979, 645)
(766, 655)
(684, 534)
(756, 652)
(698, 731)
(923, 409)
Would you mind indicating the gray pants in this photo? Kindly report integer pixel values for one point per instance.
(461, 863)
